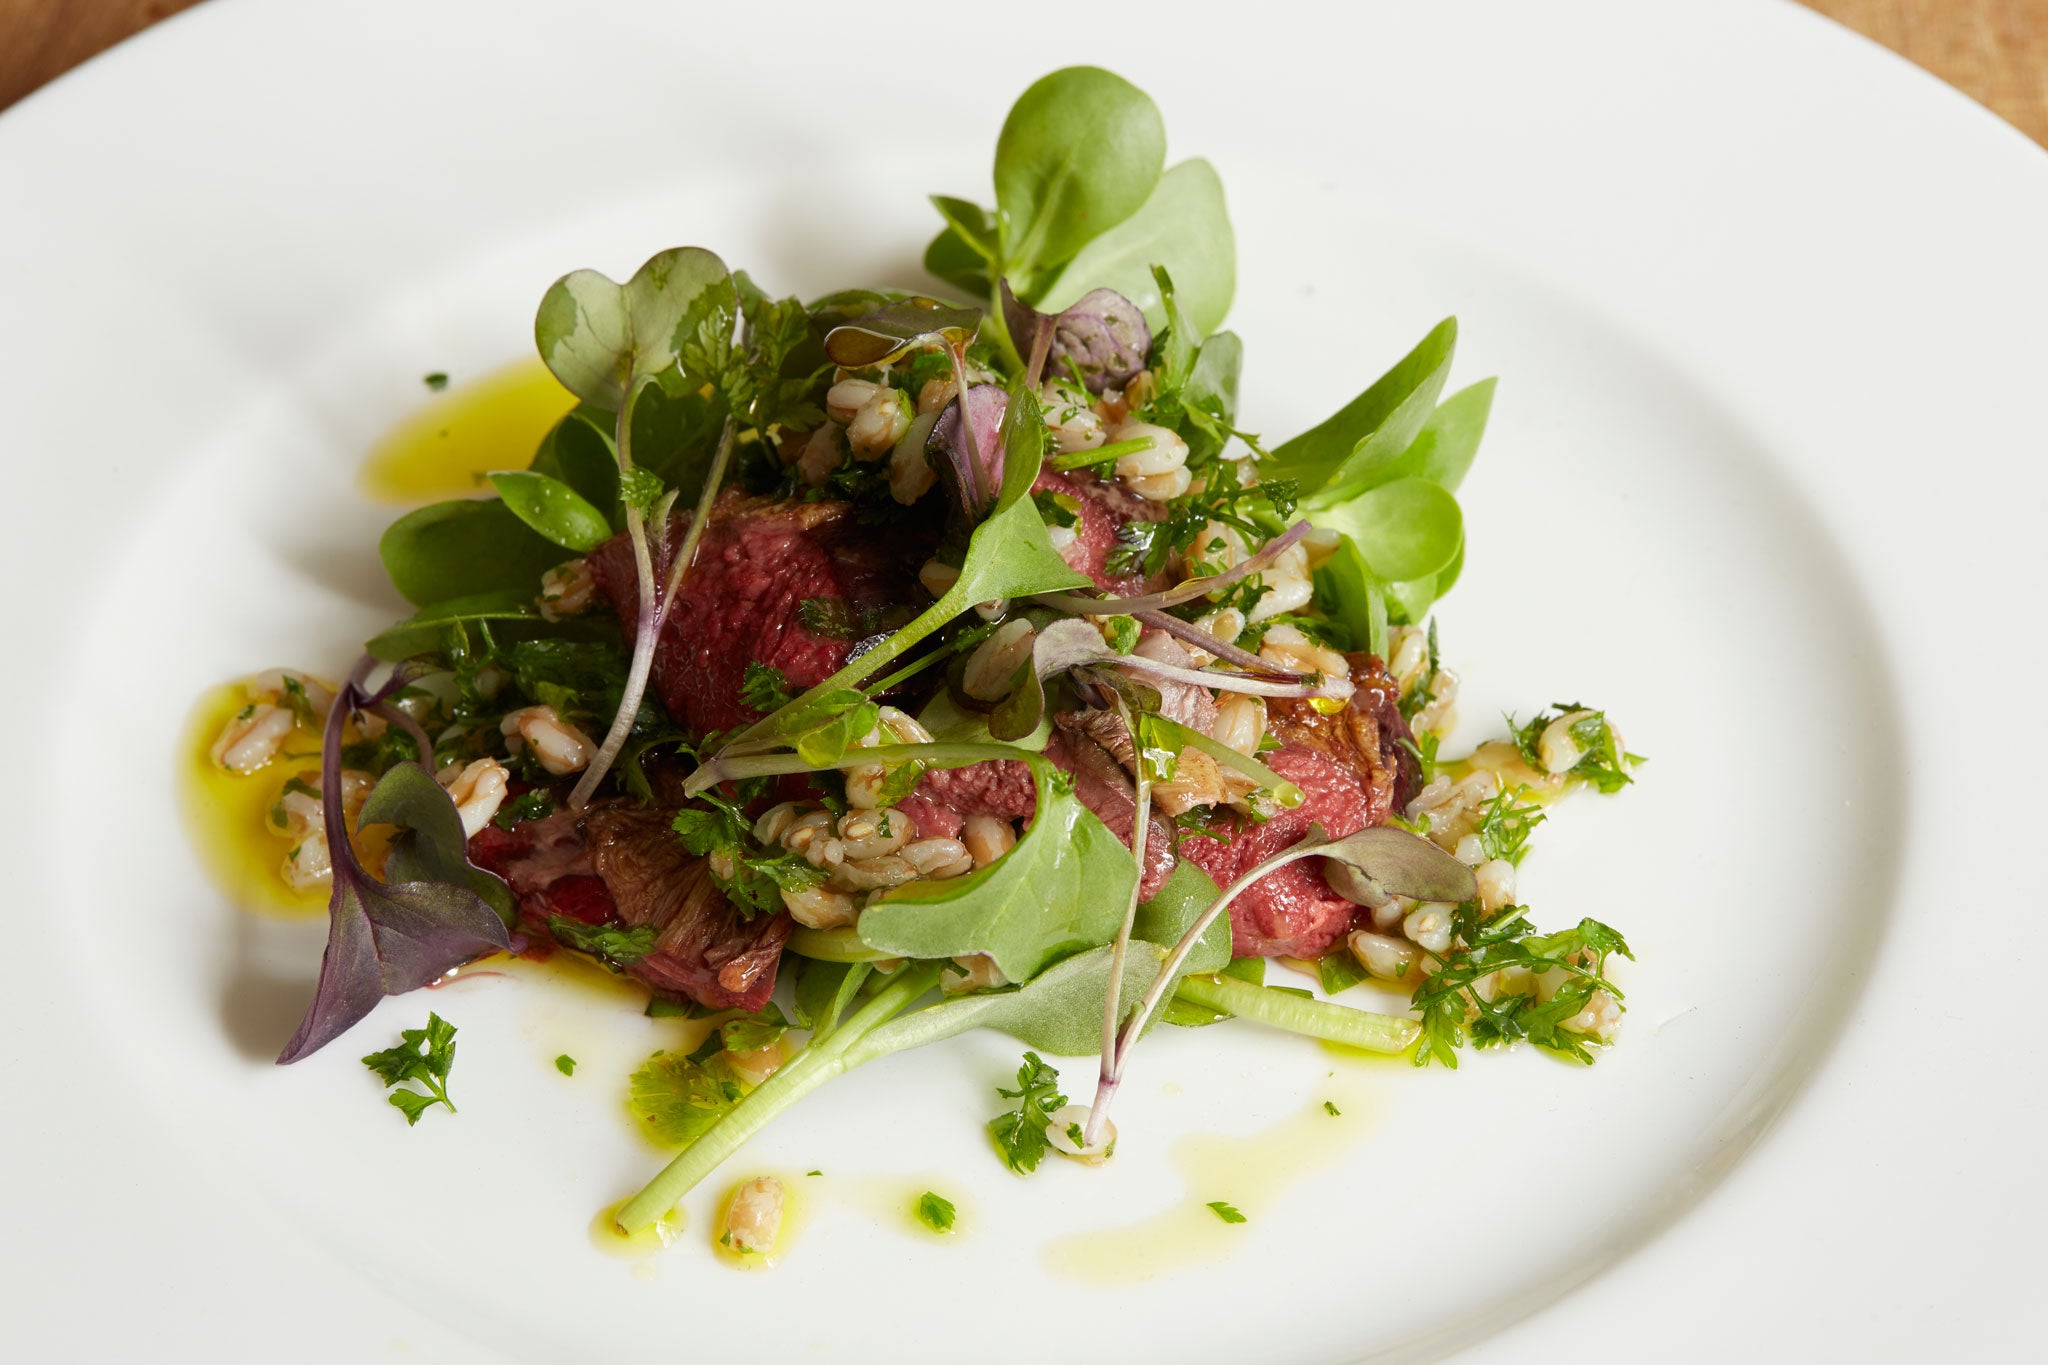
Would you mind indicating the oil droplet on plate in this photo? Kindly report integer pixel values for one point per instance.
(1249, 1173)
(491, 423)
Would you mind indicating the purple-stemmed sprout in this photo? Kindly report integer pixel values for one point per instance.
(387, 939)
(1112, 994)
(1392, 861)
(1075, 604)
(967, 446)
(1102, 336)
(1067, 644)
(1190, 633)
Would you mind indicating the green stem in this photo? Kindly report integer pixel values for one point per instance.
(935, 755)
(814, 1066)
(1081, 459)
(1299, 1014)
(834, 945)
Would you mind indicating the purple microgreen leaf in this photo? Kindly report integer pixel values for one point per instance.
(384, 939)
(1077, 605)
(971, 452)
(430, 846)
(1380, 862)
(1102, 335)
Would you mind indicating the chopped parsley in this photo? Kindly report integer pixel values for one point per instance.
(1454, 1011)
(765, 688)
(1122, 633)
(1506, 824)
(1226, 1212)
(436, 381)
(1601, 759)
(935, 1212)
(752, 876)
(534, 805)
(1330, 1108)
(566, 1064)
(424, 1055)
(1020, 1132)
(677, 1099)
(617, 946)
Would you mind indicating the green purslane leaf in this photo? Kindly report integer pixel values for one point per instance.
(553, 509)
(1061, 889)
(1444, 449)
(1079, 153)
(428, 630)
(602, 339)
(465, 548)
(1348, 451)
(1408, 529)
(1185, 227)
(578, 451)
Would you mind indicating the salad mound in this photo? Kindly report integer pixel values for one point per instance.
(926, 663)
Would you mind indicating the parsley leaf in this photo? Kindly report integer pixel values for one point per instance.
(1602, 761)
(618, 946)
(1333, 1111)
(1020, 1133)
(765, 688)
(423, 1055)
(677, 1100)
(535, 805)
(935, 1212)
(566, 1064)
(753, 876)
(1505, 826)
(1224, 1211)
(1455, 1010)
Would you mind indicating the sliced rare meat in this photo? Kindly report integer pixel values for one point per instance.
(758, 562)
(1291, 911)
(621, 864)
(1004, 788)
(1103, 510)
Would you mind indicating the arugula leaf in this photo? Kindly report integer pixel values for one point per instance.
(1080, 152)
(423, 1055)
(1225, 1211)
(677, 1100)
(1061, 888)
(1019, 1133)
(614, 944)
(935, 1212)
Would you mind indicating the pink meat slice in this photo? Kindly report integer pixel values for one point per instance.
(757, 563)
(1291, 911)
(621, 865)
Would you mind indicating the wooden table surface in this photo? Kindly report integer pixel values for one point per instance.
(1995, 51)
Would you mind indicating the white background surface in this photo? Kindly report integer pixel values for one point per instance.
(1764, 478)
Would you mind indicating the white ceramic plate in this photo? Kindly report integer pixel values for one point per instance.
(1765, 478)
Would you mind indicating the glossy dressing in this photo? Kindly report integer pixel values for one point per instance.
(227, 813)
(491, 423)
(1248, 1173)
